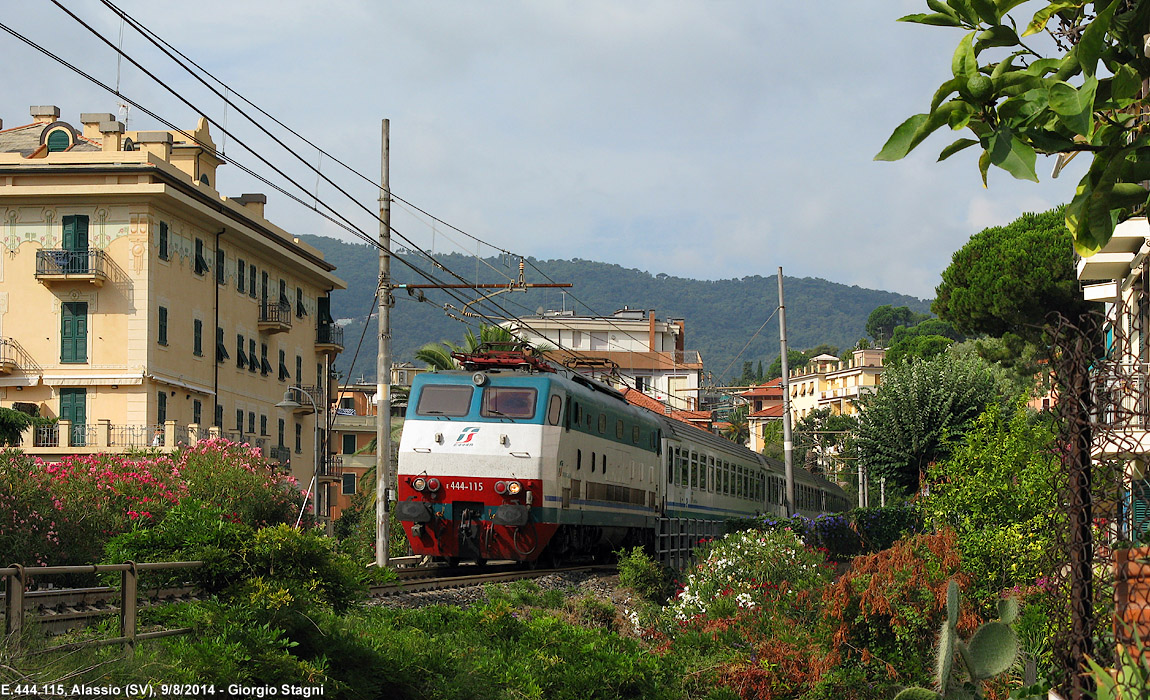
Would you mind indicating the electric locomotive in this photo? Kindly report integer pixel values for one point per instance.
(511, 459)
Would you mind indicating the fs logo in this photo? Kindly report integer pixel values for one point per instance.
(466, 435)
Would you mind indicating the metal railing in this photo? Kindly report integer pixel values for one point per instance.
(329, 334)
(58, 261)
(279, 453)
(15, 609)
(1121, 398)
(47, 436)
(677, 538)
(332, 466)
(276, 312)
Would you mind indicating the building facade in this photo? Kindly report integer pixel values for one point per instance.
(648, 353)
(139, 307)
(828, 382)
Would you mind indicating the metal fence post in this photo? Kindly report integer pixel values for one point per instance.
(14, 615)
(128, 579)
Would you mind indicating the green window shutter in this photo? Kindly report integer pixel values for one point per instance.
(162, 333)
(75, 240)
(323, 309)
(59, 140)
(197, 411)
(161, 407)
(1140, 507)
(253, 360)
(252, 280)
(198, 338)
(241, 272)
(219, 266)
(280, 432)
(240, 419)
(219, 422)
(241, 358)
(201, 261)
(349, 443)
(221, 348)
(74, 331)
(263, 425)
(163, 241)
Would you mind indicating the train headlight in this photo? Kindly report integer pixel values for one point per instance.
(433, 484)
(419, 484)
(500, 487)
(513, 488)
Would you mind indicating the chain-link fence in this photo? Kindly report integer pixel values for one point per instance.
(1103, 410)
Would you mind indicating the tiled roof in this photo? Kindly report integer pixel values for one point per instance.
(25, 140)
(768, 412)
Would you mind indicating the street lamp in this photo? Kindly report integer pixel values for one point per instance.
(290, 403)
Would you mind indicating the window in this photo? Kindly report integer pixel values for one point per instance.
(555, 410)
(578, 460)
(694, 469)
(283, 294)
(240, 419)
(578, 413)
(253, 361)
(280, 432)
(59, 140)
(219, 266)
(284, 374)
(263, 425)
(197, 411)
(241, 273)
(602, 423)
(299, 438)
(201, 261)
(161, 407)
(74, 332)
(604, 462)
(300, 312)
(241, 357)
(221, 350)
(508, 402)
(219, 422)
(162, 327)
(164, 252)
(252, 422)
(264, 286)
(444, 400)
(299, 370)
(619, 429)
(348, 403)
(594, 459)
(265, 366)
(347, 484)
(252, 280)
(197, 337)
(349, 443)
(635, 435)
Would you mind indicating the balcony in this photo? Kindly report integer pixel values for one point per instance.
(1121, 410)
(305, 406)
(59, 265)
(332, 469)
(275, 317)
(12, 356)
(280, 454)
(329, 338)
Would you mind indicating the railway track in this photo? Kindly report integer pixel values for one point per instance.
(60, 610)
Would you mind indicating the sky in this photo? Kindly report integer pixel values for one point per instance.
(708, 140)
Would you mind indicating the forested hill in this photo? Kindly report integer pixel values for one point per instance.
(721, 315)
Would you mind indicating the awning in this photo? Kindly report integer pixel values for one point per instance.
(182, 385)
(22, 380)
(92, 379)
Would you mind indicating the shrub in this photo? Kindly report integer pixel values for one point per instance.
(744, 566)
(646, 577)
(885, 611)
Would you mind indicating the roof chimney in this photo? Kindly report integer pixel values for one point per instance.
(155, 142)
(44, 114)
(111, 134)
(253, 202)
(92, 122)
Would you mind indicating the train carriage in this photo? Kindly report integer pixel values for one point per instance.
(514, 459)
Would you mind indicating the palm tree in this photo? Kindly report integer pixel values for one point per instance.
(737, 429)
(437, 356)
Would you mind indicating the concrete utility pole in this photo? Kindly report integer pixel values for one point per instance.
(788, 445)
(383, 364)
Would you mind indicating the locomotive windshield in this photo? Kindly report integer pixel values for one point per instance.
(509, 402)
(444, 400)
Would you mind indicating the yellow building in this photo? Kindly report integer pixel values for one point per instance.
(140, 307)
(828, 382)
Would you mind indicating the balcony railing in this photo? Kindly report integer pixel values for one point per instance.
(275, 316)
(280, 454)
(332, 467)
(103, 436)
(58, 263)
(329, 334)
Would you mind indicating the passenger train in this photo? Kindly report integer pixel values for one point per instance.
(516, 459)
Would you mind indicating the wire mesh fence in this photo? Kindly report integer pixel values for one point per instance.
(1096, 571)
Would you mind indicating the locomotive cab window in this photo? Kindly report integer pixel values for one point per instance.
(444, 400)
(509, 402)
(555, 410)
